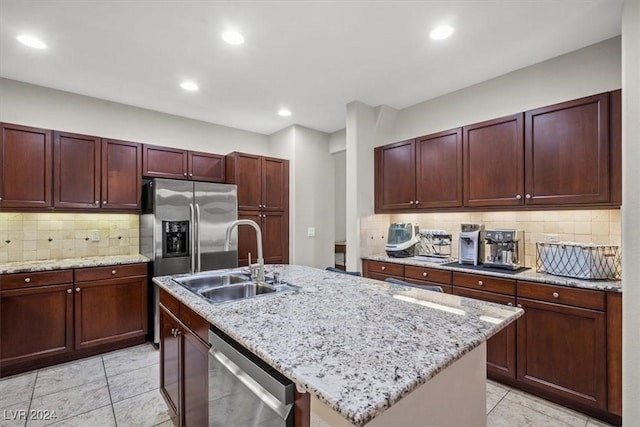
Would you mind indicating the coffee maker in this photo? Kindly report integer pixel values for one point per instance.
(402, 239)
(504, 248)
(470, 246)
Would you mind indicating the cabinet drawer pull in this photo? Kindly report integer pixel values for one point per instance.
(27, 279)
(480, 282)
(556, 295)
(425, 274)
(69, 291)
(510, 304)
(77, 289)
(383, 268)
(113, 272)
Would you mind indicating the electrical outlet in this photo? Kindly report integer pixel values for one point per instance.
(551, 238)
(311, 232)
(94, 235)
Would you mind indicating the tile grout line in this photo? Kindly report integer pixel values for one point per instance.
(113, 411)
(496, 405)
(33, 391)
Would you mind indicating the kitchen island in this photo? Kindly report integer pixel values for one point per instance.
(367, 352)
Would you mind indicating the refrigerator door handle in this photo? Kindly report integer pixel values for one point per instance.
(192, 234)
(199, 259)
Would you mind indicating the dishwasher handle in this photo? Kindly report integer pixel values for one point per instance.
(274, 392)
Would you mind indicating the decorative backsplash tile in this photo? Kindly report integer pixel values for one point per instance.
(582, 226)
(42, 236)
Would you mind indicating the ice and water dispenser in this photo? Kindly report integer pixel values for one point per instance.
(175, 239)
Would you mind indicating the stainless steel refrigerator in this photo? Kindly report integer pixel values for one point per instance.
(183, 227)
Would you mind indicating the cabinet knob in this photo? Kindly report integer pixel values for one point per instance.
(113, 271)
(510, 304)
(0, 199)
(410, 202)
(104, 202)
(518, 196)
(528, 196)
(383, 268)
(27, 279)
(556, 295)
(184, 174)
(417, 202)
(190, 175)
(425, 274)
(97, 202)
(77, 289)
(480, 282)
(519, 305)
(69, 290)
(264, 206)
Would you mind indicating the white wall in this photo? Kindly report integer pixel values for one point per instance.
(340, 195)
(631, 211)
(338, 141)
(26, 104)
(587, 71)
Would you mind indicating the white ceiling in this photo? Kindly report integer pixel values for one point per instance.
(313, 57)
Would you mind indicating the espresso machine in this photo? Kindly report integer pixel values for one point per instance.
(504, 249)
(470, 245)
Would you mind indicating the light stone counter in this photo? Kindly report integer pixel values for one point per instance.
(61, 264)
(357, 345)
(529, 275)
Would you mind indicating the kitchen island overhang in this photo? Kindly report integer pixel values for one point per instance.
(358, 346)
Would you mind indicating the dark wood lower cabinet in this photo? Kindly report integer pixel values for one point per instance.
(184, 365)
(48, 317)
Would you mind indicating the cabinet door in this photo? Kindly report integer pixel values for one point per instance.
(25, 167)
(567, 152)
(244, 170)
(562, 350)
(35, 323)
(275, 237)
(164, 162)
(501, 348)
(615, 145)
(206, 167)
(439, 170)
(170, 360)
(493, 162)
(76, 171)
(195, 379)
(395, 176)
(121, 174)
(110, 310)
(275, 184)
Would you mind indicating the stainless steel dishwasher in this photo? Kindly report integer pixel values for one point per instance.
(243, 389)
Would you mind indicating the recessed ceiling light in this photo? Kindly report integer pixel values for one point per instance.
(233, 37)
(189, 85)
(441, 32)
(284, 112)
(31, 41)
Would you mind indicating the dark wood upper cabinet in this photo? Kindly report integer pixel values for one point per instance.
(164, 162)
(174, 163)
(76, 171)
(25, 167)
(244, 170)
(439, 170)
(275, 184)
(493, 162)
(567, 152)
(395, 176)
(121, 174)
(206, 167)
(615, 145)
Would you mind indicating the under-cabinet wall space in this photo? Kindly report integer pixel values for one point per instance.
(49, 236)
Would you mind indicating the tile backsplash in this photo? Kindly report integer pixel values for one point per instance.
(582, 226)
(42, 236)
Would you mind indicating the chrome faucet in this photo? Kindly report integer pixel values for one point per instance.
(227, 241)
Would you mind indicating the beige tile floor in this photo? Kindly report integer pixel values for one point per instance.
(121, 389)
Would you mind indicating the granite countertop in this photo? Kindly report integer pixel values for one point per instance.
(529, 275)
(61, 264)
(357, 344)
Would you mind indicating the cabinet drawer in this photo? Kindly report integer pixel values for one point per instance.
(486, 296)
(485, 283)
(425, 273)
(110, 272)
(584, 298)
(196, 323)
(448, 289)
(386, 268)
(41, 278)
(170, 302)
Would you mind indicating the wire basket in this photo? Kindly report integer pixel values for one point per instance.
(591, 262)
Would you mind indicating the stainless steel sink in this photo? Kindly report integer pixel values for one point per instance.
(230, 286)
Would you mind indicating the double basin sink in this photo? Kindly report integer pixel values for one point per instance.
(218, 287)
